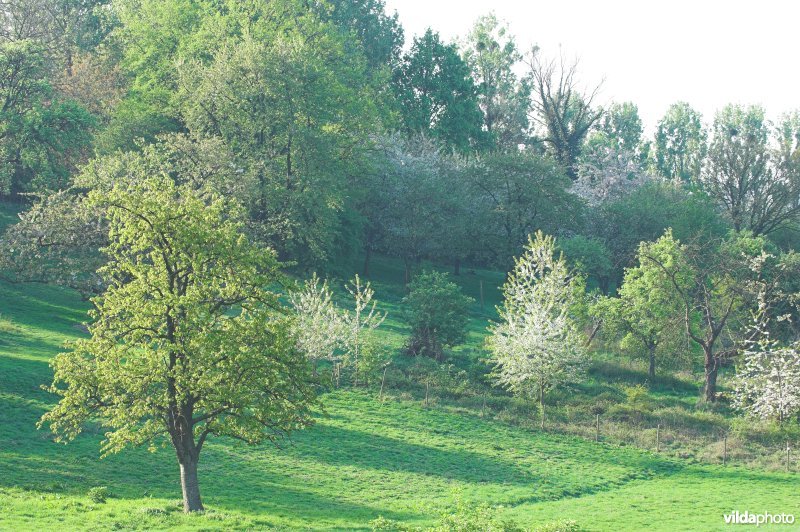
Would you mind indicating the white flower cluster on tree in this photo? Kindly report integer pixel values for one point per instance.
(359, 323)
(323, 331)
(608, 173)
(768, 382)
(537, 344)
(319, 328)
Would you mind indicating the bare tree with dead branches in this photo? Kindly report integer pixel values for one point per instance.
(562, 109)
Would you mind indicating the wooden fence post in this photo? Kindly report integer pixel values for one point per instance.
(724, 448)
(788, 456)
(658, 440)
(427, 387)
(380, 395)
(597, 428)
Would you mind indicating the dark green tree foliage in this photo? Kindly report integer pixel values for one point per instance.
(62, 28)
(154, 36)
(295, 108)
(42, 138)
(645, 214)
(437, 96)
(589, 256)
(438, 314)
(379, 35)
(515, 195)
(621, 126)
(680, 144)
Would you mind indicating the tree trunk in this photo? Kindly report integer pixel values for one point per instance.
(651, 371)
(710, 365)
(190, 486)
(604, 283)
(457, 267)
(367, 257)
(541, 405)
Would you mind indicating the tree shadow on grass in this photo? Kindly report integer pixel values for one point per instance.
(338, 446)
(228, 482)
(24, 375)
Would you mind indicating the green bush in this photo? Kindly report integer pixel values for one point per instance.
(558, 526)
(437, 312)
(382, 523)
(98, 494)
(638, 398)
(473, 518)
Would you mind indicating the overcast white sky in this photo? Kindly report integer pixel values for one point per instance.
(706, 52)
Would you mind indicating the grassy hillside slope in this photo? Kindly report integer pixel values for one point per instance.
(363, 459)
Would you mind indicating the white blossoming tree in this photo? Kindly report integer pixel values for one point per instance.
(768, 381)
(606, 173)
(359, 325)
(318, 327)
(537, 344)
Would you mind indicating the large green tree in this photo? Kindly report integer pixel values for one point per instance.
(379, 34)
(504, 98)
(186, 342)
(717, 282)
(622, 126)
(680, 143)
(645, 315)
(42, 137)
(516, 194)
(436, 94)
(753, 169)
(295, 108)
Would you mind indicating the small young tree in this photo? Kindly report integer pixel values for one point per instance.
(186, 341)
(646, 314)
(537, 344)
(437, 312)
(318, 327)
(360, 323)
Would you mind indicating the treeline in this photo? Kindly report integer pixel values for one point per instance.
(339, 142)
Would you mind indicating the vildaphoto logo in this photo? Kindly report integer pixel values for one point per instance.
(766, 518)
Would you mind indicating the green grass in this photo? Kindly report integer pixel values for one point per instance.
(362, 459)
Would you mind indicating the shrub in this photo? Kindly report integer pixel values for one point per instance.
(636, 406)
(558, 526)
(98, 494)
(638, 398)
(382, 523)
(437, 312)
(473, 518)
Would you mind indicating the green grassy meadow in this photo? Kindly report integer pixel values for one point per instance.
(364, 458)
